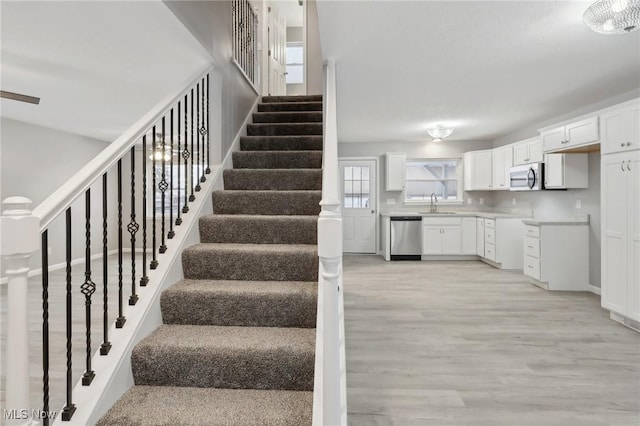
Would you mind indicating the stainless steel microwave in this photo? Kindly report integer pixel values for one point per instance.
(527, 177)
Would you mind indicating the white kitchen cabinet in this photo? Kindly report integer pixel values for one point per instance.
(527, 151)
(566, 171)
(502, 242)
(502, 160)
(620, 242)
(395, 174)
(441, 235)
(478, 170)
(556, 254)
(571, 135)
(621, 129)
(480, 237)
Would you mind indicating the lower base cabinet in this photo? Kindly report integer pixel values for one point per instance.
(448, 235)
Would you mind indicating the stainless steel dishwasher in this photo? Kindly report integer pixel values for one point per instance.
(406, 237)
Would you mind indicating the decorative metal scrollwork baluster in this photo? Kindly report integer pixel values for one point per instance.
(208, 170)
(186, 154)
(179, 151)
(154, 261)
(144, 280)
(192, 197)
(133, 228)
(163, 186)
(105, 347)
(45, 326)
(203, 133)
(171, 234)
(121, 318)
(69, 408)
(197, 135)
(88, 288)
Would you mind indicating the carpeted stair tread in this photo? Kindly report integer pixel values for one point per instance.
(281, 143)
(251, 262)
(277, 159)
(272, 179)
(258, 229)
(226, 357)
(283, 129)
(267, 202)
(288, 117)
(298, 98)
(241, 303)
(188, 406)
(289, 106)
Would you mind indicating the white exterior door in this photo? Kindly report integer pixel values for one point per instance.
(277, 42)
(358, 191)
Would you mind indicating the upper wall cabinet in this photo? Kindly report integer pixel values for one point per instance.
(478, 170)
(621, 129)
(527, 151)
(396, 173)
(501, 163)
(576, 134)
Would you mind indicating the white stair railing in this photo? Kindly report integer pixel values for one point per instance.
(329, 407)
(175, 147)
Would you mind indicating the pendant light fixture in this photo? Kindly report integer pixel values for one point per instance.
(613, 16)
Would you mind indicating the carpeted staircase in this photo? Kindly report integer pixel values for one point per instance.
(238, 341)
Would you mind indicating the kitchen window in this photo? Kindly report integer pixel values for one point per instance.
(433, 176)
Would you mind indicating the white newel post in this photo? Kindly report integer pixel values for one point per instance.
(20, 238)
(330, 253)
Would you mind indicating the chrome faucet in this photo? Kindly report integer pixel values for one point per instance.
(434, 207)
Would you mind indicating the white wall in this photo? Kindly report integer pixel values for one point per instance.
(210, 23)
(35, 162)
(446, 149)
(315, 77)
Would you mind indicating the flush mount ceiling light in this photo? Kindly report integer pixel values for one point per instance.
(439, 132)
(613, 16)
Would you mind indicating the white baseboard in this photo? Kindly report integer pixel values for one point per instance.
(593, 289)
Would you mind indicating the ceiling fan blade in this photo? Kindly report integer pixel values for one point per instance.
(19, 97)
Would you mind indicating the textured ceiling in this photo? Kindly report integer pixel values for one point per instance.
(98, 66)
(488, 68)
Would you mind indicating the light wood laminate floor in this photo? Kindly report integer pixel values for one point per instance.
(462, 343)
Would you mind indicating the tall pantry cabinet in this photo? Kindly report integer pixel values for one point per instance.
(620, 203)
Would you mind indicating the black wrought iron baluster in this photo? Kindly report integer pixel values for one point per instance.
(45, 327)
(191, 197)
(105, 347)
(197, 135)
(179, 151)
(154, 260)
(87, 288)
(133, 228)
(121, 318)
(145, 279)
(203, 133)
(162, 186)
(208, 170)
(234, 19)
(186, 154)
(69, 408)
(171, 233)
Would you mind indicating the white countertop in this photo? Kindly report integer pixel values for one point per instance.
(487, 215)
(563, 221)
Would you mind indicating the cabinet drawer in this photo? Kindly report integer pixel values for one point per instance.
(532, 231)
(490, 251)
(532, 246)
(532, 267)
(437, 221)
(490, 223)
(490, 235)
